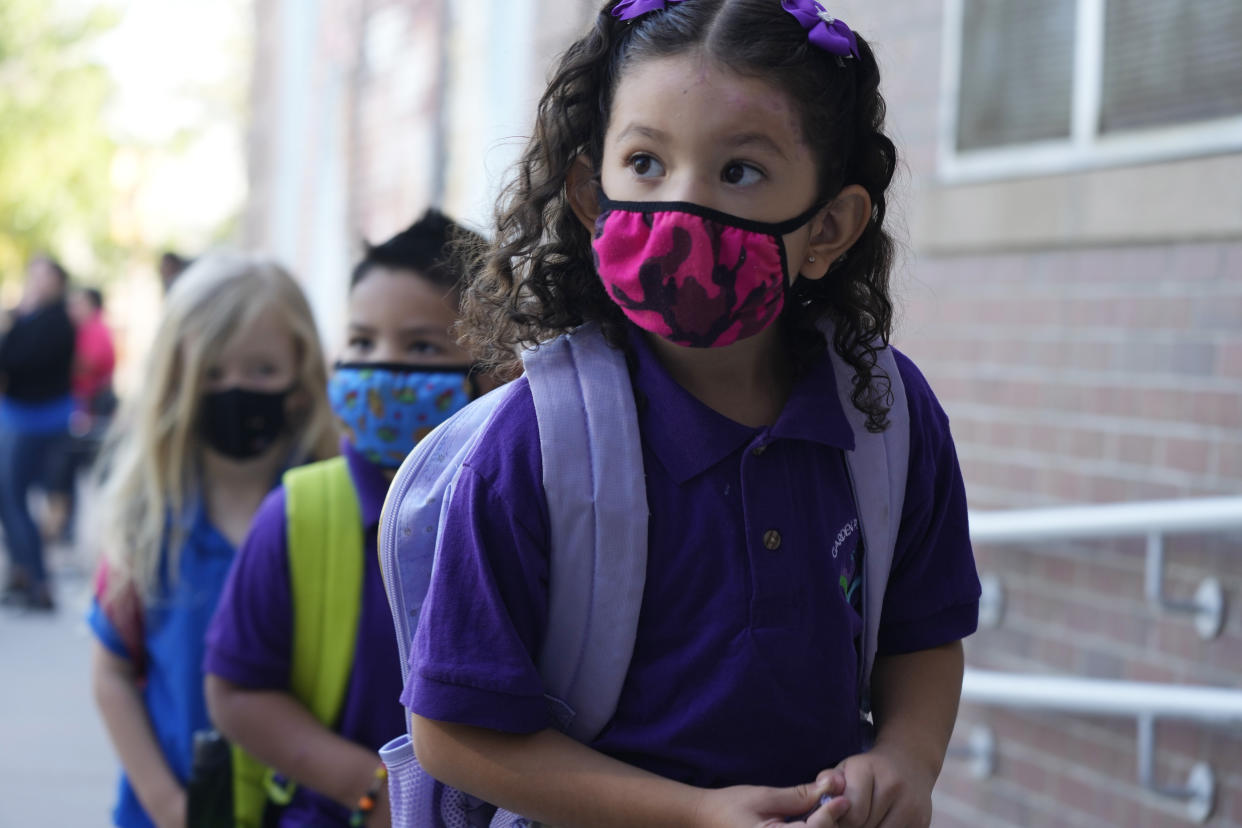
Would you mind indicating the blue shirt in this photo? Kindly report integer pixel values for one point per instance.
(745, 660)
(173, 629)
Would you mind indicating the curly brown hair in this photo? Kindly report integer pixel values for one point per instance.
(537, 279)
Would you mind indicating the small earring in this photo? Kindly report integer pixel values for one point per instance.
(810, 258)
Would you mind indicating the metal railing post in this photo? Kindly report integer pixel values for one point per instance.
(1146, 702)
(1208, 605)
(1199, 792)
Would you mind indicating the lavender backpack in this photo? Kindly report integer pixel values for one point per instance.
(597, 506)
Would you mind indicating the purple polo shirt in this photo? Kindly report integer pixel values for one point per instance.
(745, 663)
(250, 640)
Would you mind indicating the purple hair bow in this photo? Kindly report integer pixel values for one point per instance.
(629, 9)
(823, 30)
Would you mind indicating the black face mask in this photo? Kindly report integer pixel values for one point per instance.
(240, 423)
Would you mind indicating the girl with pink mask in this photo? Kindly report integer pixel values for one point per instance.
(706, 186)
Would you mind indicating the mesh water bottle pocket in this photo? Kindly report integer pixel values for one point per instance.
(419, 801)
(412, 791)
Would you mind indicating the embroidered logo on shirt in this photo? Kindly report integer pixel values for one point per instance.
(846, 531)
(849, 578)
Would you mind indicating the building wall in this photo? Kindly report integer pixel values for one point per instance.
(1083, 330)
(303, 155)
(366, 112)
(1100, 362)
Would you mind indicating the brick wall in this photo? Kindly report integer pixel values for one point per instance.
(1073, 375)
(1086, 375)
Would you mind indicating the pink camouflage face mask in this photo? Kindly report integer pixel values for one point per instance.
(692, 275)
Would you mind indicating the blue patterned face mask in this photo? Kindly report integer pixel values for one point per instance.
(388, 407)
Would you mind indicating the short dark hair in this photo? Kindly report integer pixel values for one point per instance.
(174, 261)
(94, 296)
(427, 247)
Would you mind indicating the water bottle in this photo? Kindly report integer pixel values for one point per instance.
(209, 794)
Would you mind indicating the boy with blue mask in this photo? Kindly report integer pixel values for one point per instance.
(399, 375)
(402, 372)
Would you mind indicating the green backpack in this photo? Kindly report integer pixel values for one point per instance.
(325, 547)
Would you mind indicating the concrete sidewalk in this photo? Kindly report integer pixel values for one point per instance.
(57, 768)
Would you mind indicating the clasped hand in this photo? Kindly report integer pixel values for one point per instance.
(878, 789)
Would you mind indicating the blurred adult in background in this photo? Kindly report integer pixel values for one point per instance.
(91, 385)
(95, 355)
(36, 363)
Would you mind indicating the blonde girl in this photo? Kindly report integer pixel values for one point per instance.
(233, 393)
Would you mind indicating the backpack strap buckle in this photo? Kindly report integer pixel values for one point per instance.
(279, 788)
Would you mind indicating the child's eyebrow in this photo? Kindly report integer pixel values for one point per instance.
(757, 139)
(643, 131)
(424, 330)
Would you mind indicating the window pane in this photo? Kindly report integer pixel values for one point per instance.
(1017, 72)
(1171, 61)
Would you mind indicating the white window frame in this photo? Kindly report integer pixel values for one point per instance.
(1085, 148)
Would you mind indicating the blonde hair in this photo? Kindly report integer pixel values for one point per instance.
(151, 462)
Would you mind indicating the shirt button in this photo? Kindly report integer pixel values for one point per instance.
(772, 539)
(759, 449)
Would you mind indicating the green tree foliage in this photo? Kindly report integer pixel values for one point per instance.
(55, 152)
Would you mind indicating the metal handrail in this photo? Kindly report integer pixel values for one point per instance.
(1107, 520)
(1102, 697)
(1143, 701)
(1152, 519)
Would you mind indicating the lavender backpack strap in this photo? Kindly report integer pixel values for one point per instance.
(409, 526)
(597, 507)
(409, 522)
(877, 466)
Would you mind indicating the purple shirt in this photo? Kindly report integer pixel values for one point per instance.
(745, 663)
(250, 640)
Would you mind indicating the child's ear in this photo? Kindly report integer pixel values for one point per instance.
(835, 229)
(583, 192)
